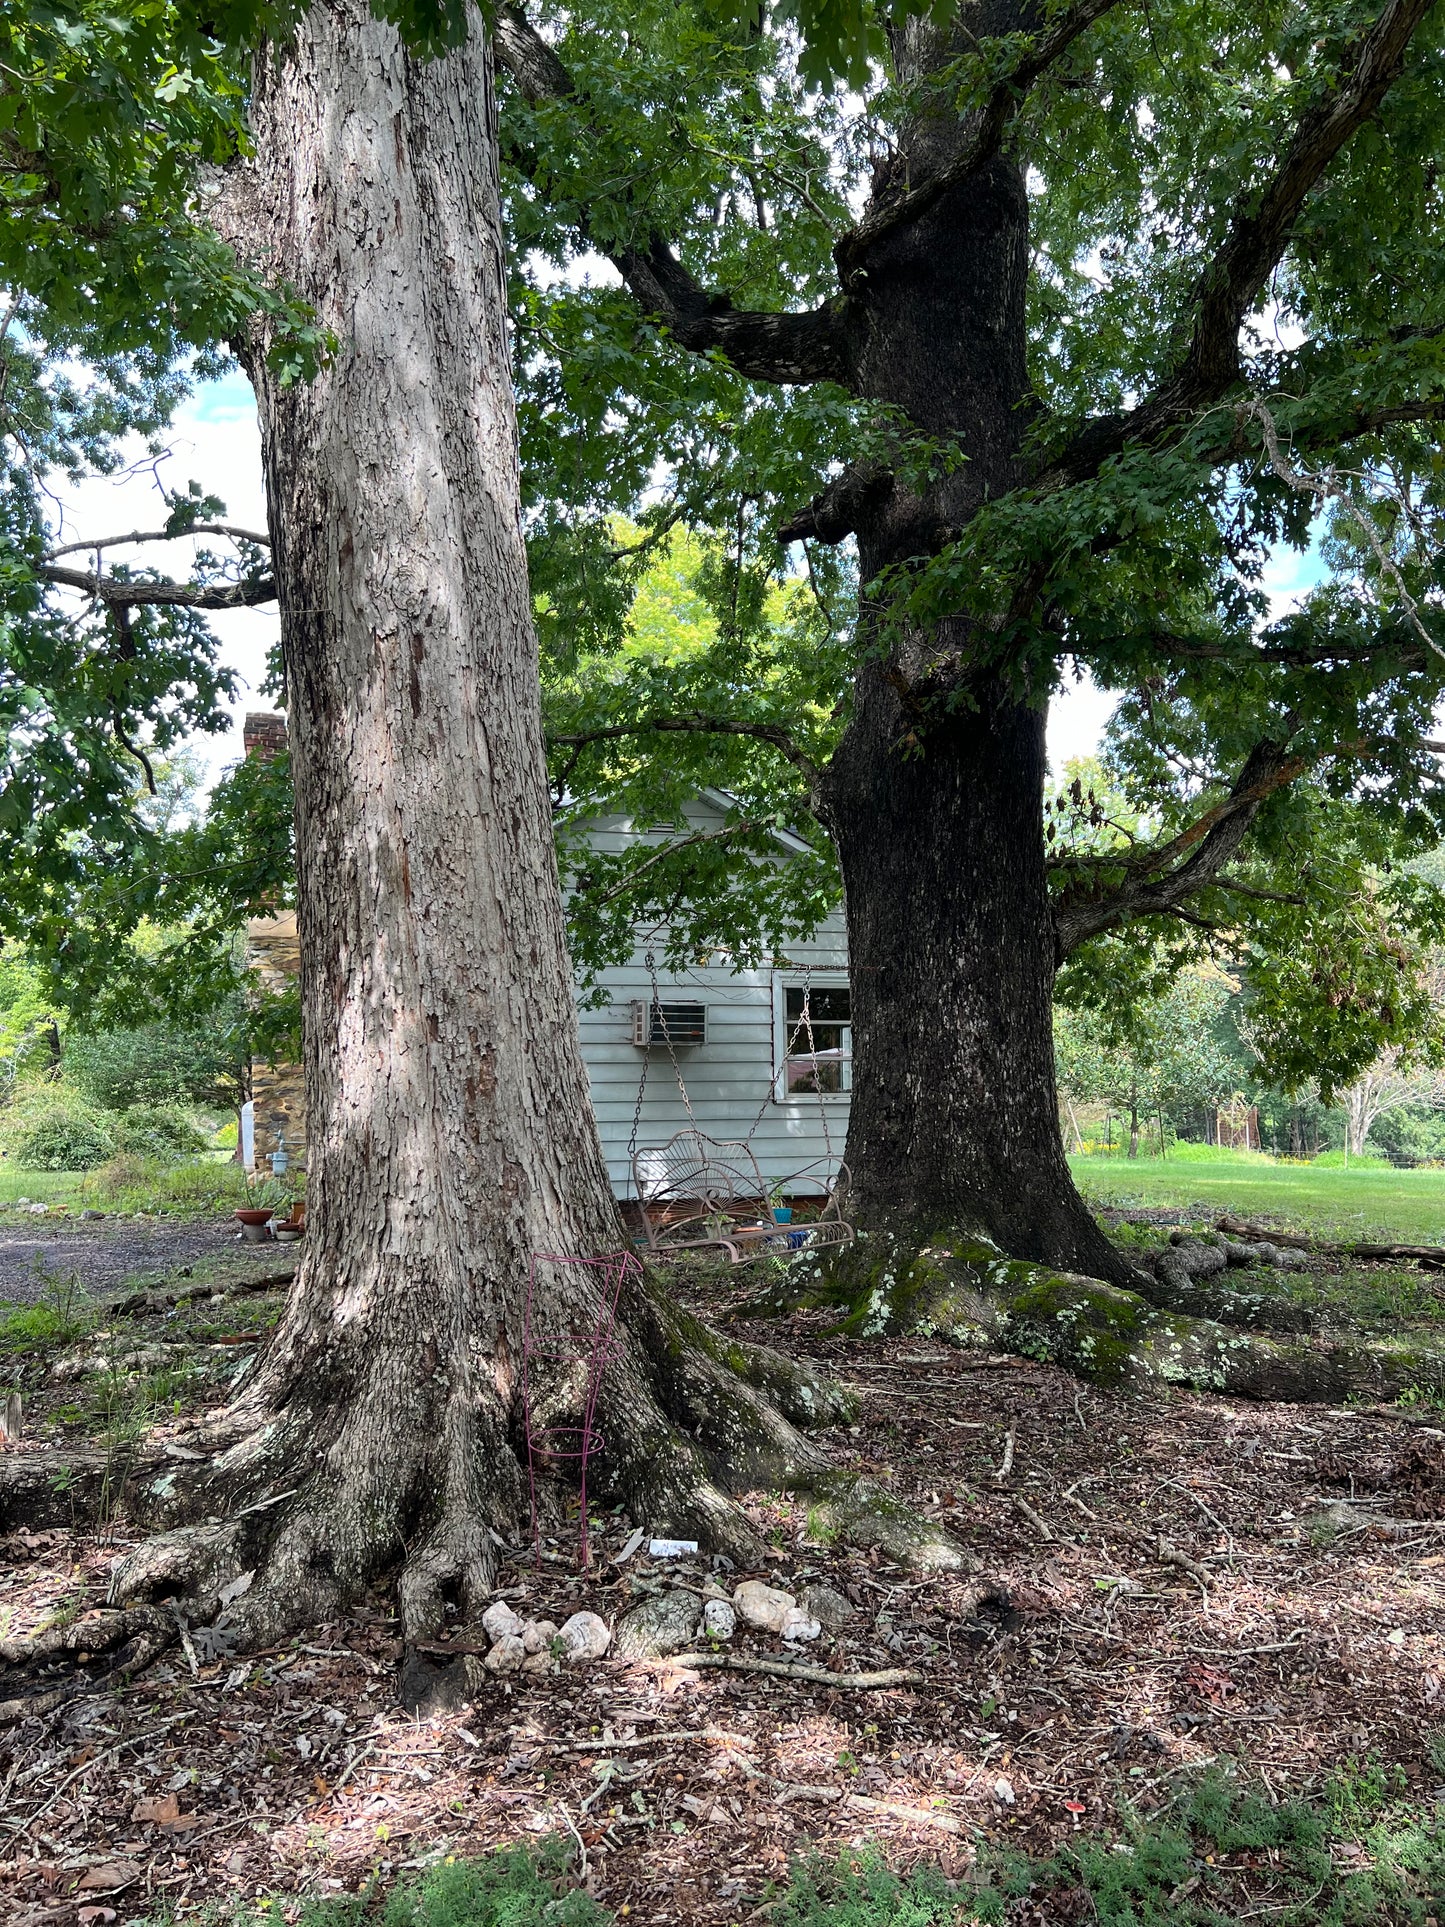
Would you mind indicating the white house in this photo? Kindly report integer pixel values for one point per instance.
(759, 1055)
(763, 1055)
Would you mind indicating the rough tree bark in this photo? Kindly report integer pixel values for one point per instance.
(450, 1130)
(937, 808)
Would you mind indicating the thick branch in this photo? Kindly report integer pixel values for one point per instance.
(982, 141)
(841, 508)
(161, 535)
(1259, 230)
(768, 347)
(167, 595)
(1201, 851)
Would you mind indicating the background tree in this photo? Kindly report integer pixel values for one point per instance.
(1099, 338)
(1152, 1062)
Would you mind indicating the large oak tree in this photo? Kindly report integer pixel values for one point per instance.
(1067, 318)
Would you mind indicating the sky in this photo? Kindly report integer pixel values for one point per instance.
(215, 441)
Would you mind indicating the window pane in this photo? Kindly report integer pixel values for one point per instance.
(818, 1037)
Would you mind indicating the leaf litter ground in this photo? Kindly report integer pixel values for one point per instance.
(1301, 1628)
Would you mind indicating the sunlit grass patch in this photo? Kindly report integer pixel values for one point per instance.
(1327, 1201)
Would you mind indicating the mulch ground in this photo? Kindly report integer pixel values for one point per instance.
(1311, 1643)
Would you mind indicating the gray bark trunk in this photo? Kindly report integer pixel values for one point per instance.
(451, 1134)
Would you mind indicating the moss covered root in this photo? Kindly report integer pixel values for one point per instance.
(966, 1292)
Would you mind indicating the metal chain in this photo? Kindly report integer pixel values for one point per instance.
(651, 962)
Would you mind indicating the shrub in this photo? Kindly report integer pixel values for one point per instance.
(54, 1130)
(158, 1131)
(131, 1182)
(1336, 1160)
(156, 1064)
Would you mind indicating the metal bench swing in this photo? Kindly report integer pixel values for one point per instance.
(699, 1193)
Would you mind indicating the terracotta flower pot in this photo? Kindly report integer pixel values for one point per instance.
(251, 1216)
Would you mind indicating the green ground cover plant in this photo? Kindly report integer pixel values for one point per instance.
(1316, 1200)
(201, 1185)
(40, 1187)
(1216, 1848)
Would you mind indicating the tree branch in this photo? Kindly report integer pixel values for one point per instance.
(839, 510)
(160, 535)
(782, 348)
(1201, 851)
(774, 733)
(982, 141)
(621, 889)
(169, 595)
(1259, 230)
(1162, 645)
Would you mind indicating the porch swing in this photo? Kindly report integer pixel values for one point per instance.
(700, 1193)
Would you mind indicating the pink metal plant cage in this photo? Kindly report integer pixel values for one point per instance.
(601, 1280)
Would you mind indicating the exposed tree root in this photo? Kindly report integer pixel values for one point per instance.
(143, 1301)
(296, 1500)
(130, 1641)
(966, 1292)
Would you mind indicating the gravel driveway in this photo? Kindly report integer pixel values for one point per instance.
(105, 1254)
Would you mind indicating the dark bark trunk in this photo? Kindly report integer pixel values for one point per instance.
(935, 795)
(954, 1121)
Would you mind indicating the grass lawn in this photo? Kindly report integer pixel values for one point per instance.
(41, 1187)
(1327, 1201)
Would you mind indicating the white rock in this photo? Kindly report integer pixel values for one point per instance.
(797, 1625)
(719, 1619)
(506, 1656)
(1003, 1791)
(500, 1622)
(538, 1634)
(762, 1606)
(539, 1663)
(586, 1636)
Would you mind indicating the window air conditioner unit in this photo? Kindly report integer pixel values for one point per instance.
(662, 1024)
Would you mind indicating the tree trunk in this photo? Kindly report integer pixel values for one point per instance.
(935, 794)
(450, 1130)
(953, 1125)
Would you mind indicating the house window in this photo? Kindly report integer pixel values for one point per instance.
(815, 1039)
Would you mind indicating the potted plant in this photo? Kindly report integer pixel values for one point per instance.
(255, 1217)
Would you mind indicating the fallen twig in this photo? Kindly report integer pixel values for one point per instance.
(843, 1797)
(1172, 1556)
(1008, 1452)
(814, 1675)
(1040, 1526)
(1422, 1254)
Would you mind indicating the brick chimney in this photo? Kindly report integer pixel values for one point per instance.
(264, 734)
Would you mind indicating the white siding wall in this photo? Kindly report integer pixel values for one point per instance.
(730, 1079)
